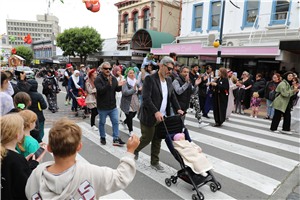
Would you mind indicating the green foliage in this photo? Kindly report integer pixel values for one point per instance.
(80, 42)
(1, 57)
(26, 53)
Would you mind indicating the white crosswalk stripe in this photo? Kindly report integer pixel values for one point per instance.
(252, 131)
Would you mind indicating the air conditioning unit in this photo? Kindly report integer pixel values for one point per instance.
(212, 38)
(234, 42)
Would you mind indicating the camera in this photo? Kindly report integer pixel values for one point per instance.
(17, 73)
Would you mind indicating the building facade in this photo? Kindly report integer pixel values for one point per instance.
(46, 25)
(162, 16)
(252, 35)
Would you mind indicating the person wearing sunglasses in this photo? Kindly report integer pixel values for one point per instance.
(158, 94)
(107, 86)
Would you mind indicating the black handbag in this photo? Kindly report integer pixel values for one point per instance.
(272, 95)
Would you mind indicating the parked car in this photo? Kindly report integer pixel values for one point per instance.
(27, 70)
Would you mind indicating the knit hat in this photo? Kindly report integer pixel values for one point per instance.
(178, 136)
(69, 66)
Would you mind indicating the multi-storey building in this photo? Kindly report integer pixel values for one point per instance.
(261, 36)
(46, 25)
(162, 16)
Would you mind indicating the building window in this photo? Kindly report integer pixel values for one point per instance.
(135, 21)
(146, 18)
(3, 41)
(251, 11)
(14, 23)
(17, 23)
(197, 17)
(214, 15)
(125, 24)
(280, 12)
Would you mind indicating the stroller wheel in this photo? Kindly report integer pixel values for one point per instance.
(213, 187)
(174, 180)
(219, 186)
(168, 182)
(197, 197)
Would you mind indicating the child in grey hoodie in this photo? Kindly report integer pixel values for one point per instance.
(67, 178)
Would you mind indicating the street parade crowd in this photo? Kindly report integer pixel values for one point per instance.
(157, 90)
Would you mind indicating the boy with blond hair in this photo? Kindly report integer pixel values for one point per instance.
(67, 178)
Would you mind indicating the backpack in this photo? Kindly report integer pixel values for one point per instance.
(272, 95)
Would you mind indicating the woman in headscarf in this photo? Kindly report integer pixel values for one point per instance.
(136, 72)
(282, 105)
(117, 72)
(232, 86)
(75, 83)
(130, 101)
(91, 98)
(295, 124)
(220, 96)
(50, 88)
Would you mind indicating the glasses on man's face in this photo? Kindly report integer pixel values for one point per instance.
(169, 68)
(106, 68)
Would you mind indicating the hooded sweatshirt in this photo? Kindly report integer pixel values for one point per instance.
(82, 181)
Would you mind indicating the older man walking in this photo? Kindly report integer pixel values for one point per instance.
(158, 92)
(107, 86)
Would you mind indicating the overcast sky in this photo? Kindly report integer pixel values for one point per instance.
(71, 14)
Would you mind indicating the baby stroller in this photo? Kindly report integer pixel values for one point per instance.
(81, 103)
(175, 125)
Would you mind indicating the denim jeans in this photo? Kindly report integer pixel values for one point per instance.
(171, 110)
(238, 105)
(270, 110)
(113, 115)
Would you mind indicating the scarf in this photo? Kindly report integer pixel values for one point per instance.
(76, 79)
(131, 82)
(115, 70)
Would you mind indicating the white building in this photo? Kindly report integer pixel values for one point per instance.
(260, 37)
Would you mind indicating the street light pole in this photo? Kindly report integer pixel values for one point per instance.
(221, 34)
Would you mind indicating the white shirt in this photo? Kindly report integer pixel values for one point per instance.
(163, 106)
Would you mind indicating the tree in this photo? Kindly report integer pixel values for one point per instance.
(26, 53)
(79, 42)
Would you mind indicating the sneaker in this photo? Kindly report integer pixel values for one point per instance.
(286, 132)
(136, 155)
(202, 124)
(95, 128)
(66, 103)
(243, 112)
(69, 103)
(251, 116)
(124, 125)
(205, 115)
(103, 140)
(130, 134)
(158, 168)
(192, 110)
(53, 111)
(255, 117)
(118, 142)
(274, 131)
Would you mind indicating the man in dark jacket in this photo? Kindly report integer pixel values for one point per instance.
(158, 93)
(107, 86)
(67, 75)
(38, 104)
(203, 88)
(175, 72)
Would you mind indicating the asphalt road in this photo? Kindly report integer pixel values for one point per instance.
(249, 161)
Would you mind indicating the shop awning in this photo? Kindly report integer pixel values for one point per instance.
(146, 39)
(290, 45)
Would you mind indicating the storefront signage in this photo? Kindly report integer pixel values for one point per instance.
(136, 54)
(197, 49)
(36, 62)
(208, 58)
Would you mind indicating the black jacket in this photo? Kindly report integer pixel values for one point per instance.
(21, 87)
(259, 86)
(152, 99)
(239, 94)
(269, 87)
(193, 78)
(106, 93)
(202, 86)
(66, 80)
(15, 170)
(184, 98)
(36, 99)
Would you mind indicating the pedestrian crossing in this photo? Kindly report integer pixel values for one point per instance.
(249, 161)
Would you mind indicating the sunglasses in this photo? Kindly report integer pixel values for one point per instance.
(107, 68)
(169, 68)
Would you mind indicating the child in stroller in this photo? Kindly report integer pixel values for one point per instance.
(203, 173)
(81, 102)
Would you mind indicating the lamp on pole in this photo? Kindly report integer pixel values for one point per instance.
(221, 31)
